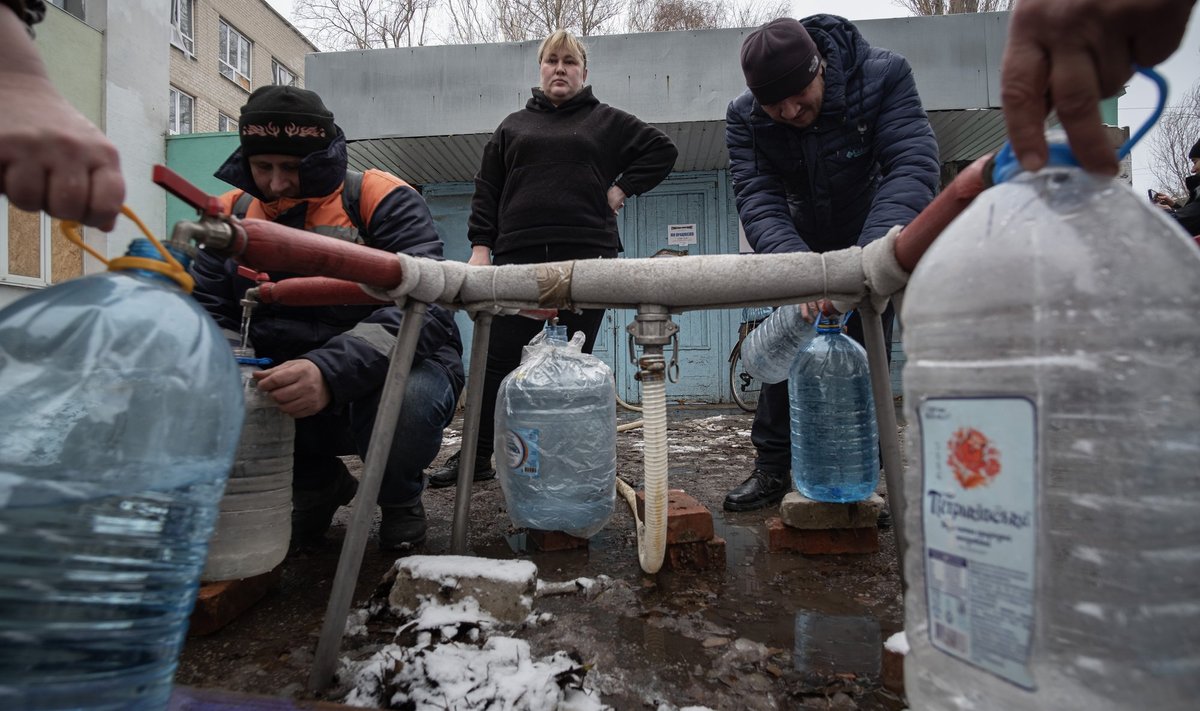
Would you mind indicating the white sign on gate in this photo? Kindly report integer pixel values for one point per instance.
(681, 235)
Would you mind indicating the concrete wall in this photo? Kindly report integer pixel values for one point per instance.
(198, 75)
(662, 77)
(135, 65)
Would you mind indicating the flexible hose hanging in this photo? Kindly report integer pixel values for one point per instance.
(652, 534)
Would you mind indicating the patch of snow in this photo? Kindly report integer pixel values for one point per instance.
(897, 643)
(500, 674)
(447, 569)
(444, 617)
(356, 622)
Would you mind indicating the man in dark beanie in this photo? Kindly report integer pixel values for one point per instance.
(829, 148)
(330, 362)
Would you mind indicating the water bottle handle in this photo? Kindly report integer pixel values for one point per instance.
(841, 318)
(1006, 165)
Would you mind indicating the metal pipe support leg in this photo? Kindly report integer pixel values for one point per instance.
(350, 561)
(470, 434)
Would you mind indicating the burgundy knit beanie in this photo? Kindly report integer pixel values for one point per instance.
(285, 120)
(779, 60)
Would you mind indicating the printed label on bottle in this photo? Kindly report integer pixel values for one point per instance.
(521, 447)
(979, 458)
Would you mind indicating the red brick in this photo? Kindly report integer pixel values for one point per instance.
(892, 675)
(697, 555)
(856, 541)
(687, 519)
(218, 604)
(548, 541)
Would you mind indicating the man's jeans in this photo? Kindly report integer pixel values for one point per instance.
(429, 402)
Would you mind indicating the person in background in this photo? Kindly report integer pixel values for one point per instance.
(1067, 55)
(1186, 213)
(331, 361)
(828, 148)
(51, 157)
(553, 178)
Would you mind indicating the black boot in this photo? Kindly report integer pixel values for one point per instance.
(313, 509)
(760, 490)
(447, 474)
(402, 527)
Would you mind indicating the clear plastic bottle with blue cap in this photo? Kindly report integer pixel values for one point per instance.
(835, 438)
(770, 349)
(120, 410)
(1053, 402)
(556, 414)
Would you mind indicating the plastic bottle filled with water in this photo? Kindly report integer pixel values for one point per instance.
(770, 349)
(120, 409)
(556, 415)
(835, 438)
(1052, 391)
(254, 526)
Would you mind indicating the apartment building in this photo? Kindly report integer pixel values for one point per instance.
(221, 50)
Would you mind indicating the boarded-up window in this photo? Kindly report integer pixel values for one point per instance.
(66, 257)
(24, 243)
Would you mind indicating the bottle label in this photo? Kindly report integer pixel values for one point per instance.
(521, 448)
(979, 466)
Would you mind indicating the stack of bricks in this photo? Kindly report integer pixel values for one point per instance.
(816, 528)
(691, 542)
(550, 541)
(219, 603)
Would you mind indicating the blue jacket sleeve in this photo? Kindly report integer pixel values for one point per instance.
(907, 152)
(356, 362)
(761, 198)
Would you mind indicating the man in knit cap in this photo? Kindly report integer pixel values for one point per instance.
(828, 148)
(330, 362)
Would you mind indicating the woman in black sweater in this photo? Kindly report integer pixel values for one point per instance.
(553, 178)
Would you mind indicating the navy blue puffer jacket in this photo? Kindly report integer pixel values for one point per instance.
(869, 162)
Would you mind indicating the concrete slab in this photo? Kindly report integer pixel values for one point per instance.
(799, 511)
(502, 588)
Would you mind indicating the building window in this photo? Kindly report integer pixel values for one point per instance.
(181, 112)
(234, 57)
(181, 26)
(34, 250)
(281, 75)
(226, 122)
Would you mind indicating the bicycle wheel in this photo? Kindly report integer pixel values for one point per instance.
(742, 386)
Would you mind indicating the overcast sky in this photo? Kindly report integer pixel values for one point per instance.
(1182, 70)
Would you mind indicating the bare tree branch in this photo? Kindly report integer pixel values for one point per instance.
(364, 24)
(663, 15)
(953, 7)
(1177, 131)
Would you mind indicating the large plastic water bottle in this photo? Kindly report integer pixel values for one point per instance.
(1053, 398)
(254, 526)
(770, 349)
(835, 438)
(120, 409)
(556, 415)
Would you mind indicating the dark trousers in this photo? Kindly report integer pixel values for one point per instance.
(771, 432)
(509, 335)
(429, 402)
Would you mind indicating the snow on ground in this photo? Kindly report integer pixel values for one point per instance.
(457, 657)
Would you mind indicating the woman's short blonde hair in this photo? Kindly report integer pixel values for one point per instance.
(562, 39)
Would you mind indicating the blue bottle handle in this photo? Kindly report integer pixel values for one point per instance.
(1006, 165)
